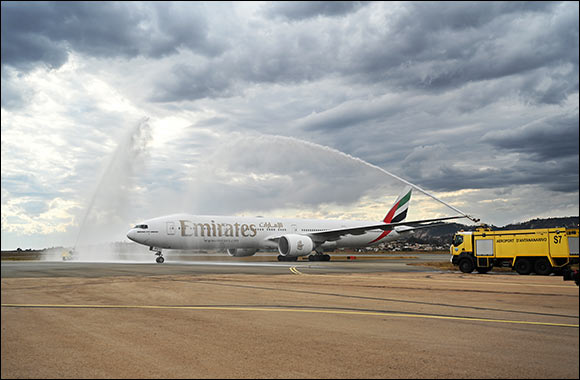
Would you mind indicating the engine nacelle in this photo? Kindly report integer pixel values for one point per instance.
(241, 252)
(295, 245)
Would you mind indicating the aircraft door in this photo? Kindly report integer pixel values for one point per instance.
(170, 228)
(294, 228)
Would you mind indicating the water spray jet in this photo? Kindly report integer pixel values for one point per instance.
(335, 151)
(111, 187)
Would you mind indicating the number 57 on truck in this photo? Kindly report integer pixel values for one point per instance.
(541, 251)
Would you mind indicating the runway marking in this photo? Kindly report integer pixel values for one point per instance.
(295, 271)
(297, 310)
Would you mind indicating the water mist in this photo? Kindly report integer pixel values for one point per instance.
(106, 211)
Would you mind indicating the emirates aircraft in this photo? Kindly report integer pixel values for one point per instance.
(244, 236)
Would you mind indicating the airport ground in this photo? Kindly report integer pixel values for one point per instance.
(372, 317)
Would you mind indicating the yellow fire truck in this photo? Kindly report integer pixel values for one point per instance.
(536, 250)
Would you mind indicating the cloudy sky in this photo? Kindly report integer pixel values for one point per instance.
(117, 112)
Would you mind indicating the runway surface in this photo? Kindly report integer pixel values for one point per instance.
(11, 269)
(242, 319)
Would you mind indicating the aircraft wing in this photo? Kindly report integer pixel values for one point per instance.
(337, 233)
(408, 228)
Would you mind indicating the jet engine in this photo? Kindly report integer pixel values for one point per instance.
(295, 245)
(241, 252)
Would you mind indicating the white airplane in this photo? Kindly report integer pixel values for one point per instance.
(244, 236)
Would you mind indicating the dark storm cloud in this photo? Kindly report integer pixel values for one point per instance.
(437, 46)
(300, 10)
(460, 15)
(44, 33)
(542, 153)
(542, 140)
(286, 59)
(428, 47)
(421, 46)
(562, 177)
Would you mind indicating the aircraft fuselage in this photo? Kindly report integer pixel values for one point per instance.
(185, 231)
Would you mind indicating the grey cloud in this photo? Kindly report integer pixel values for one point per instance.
(192, 82)
(27, 185)
(440, 46)
(287, 59)
(349, 114)
(420, 46)
(447, 177)
(542, 153)
(542, 140)
(247, 171)
(461, 15)
(35, 207)
(549, 86)
(44, 33)
(13, 95)
(301, 10)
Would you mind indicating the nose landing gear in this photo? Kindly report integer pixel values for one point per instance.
(160, 258)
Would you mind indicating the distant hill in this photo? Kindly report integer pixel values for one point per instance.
(441, 235)
(571, 221)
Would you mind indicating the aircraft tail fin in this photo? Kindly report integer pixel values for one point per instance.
(398, 212)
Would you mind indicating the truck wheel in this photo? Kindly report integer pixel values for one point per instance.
(523, 266)
(543, 267)
(466, 265)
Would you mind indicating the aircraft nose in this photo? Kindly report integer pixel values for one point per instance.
(132, 235)
(138, 235)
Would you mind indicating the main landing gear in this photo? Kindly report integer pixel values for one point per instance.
(319, 257)
(314, 257)
(287, 258)
(160, 258)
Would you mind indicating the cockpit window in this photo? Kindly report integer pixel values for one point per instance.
(141, 226)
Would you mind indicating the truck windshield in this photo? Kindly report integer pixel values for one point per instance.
(457, 240)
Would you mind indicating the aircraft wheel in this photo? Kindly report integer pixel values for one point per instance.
(287, 258)
(318, 257)
(160, 260)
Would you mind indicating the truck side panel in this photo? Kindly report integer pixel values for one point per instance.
(521, 243)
